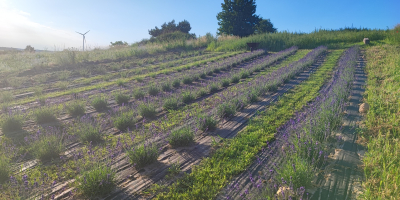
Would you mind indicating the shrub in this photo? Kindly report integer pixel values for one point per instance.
(187, 97)
(216, 70)
(6, 97)
(147, 110)
(138, 94)
(176, 83)
(170, 103)
(187, 80)
(201, 92)
(213, 88)
(244, 74)
(44, 115)
(46, 146)
(153, 90)
(99, 180)
(210, 73)
(299, 170)
(139, 79)
(143, 155)
(225, 82)
(12, 122)
(76, 108)
(203, 75)
(206, 122)
(181, 137)
(226, 109)
(87, 129)
(253, 96)
(124, 120)
(166, 87)
(235, 79)
(99, 103)
(4, 168)
(121, 98)
(121, 82)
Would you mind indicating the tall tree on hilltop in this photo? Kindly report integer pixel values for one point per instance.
(238, 17)
(183, 26)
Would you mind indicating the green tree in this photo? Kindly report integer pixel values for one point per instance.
(118, 43)
(29, 49)
(170, 27)
(237, 18)
(265, 26)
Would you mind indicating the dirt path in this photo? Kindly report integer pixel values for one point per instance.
(137, 181)
(343, 180)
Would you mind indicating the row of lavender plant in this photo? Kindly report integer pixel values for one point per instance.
(305, 137)
(227, 103)
(85, 126)
(142, 155)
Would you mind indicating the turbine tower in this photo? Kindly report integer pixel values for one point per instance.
(83, 39)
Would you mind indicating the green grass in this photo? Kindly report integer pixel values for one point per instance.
(100, 180)
(281, 40)
(382, 131)
(234, 155)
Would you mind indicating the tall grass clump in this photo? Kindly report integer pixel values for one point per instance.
(45, 114)
(188, 97)
(96, 181)
(138, 94)
(153, 90)
(181, 137)
(121, 98)
(6, 97)
(124, 119)
(47, 144)
(76, 108)
(12, 121)
(147, 109)
(206, 122)
(5, 169)
(87, 129)
(143, 154)
(99, 103)
(171, 103)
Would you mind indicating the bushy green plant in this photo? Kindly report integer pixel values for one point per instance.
(153, 90)
(213, 87)
(226, 109)
(176, 83)
(298, 170)
(225, 82)
(121, 82)
(47, 147)
(181, 137)
(121, 98)
(187, 97)
(143, 155)
(171, 103)
(203, 75)
(244, 74)
(4, 168)
(138, 94)
(166, 87)
(6, 97)
(11, 122)
(99, 180)
(99, 103)
(44, 114)
(206, 122)
(201, 92)
(124, 120)
(87, 130)
(76, 108)
(187, 80)
(235, 79)
(147, 110)
(139, 79)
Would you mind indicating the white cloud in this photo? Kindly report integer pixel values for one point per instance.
(24, 13)
(18, 30)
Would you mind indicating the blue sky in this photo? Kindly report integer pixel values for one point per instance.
(51, 24)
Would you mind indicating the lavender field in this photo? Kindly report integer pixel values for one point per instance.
(188, 124)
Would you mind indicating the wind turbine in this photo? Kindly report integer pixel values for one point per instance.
(83, 39)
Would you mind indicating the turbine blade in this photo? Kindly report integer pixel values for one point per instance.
(78, 32)
(87, 32)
